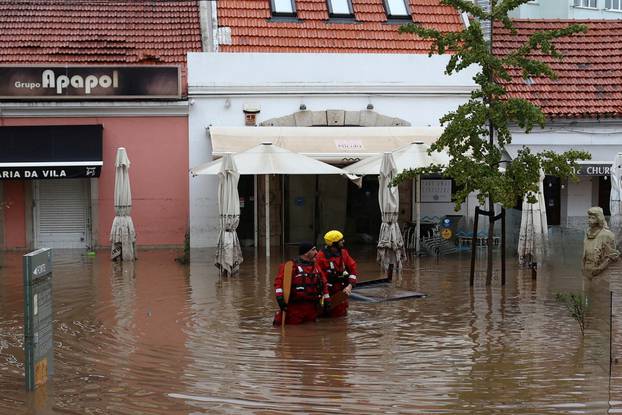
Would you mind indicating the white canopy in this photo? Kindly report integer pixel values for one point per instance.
(411, 156)
(337, 145)
(266, 159)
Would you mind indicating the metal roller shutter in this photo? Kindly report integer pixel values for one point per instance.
(62, 213)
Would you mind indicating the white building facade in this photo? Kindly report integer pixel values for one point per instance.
(345, 90)
(569, 9)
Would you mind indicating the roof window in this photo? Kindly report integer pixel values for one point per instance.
(283, 8)
(340, 8)
(396, 9)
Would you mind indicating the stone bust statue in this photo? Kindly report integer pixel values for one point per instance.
(599, 245)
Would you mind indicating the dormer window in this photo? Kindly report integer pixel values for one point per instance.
(283, 8)
(396, 9)
(340, 8)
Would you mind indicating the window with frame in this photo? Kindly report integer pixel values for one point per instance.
(396, 9)
(340, 8)
(613, 5)
(283, 8)
(586, 3)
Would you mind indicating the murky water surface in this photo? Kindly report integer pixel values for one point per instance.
(160, 338)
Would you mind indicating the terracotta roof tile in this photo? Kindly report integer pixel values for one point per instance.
(589, 80)
(253, 30)
(98, 31)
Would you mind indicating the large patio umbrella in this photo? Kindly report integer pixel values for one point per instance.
(229, 253)
(390, 242)
(412, 156)
(534, 232)
(267, 159)
(122, 233)
(615, 198)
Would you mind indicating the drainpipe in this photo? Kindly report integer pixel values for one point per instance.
(208, 17)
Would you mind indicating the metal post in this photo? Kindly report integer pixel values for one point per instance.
(473, 247)
(502, 246)
(418, 226)
(255, 208)
(267, 207)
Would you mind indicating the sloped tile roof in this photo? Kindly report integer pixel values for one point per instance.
(253, 29)
(98, 31)
(589, 83)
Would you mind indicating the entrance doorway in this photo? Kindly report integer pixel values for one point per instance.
(552, 199)
(62, 214)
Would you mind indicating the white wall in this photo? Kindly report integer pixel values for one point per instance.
(411, 87)
(602, 139)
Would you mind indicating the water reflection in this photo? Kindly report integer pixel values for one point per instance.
(156, 337)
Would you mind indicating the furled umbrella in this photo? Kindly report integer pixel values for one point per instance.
(122, 234)
(533, 234)
(615, 198)
(229, 253)
(391, 251)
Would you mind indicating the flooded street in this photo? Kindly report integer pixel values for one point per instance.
(157, 337)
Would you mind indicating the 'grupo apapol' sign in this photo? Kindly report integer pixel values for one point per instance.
(89, 82)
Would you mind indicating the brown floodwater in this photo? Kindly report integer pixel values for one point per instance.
(156, 337)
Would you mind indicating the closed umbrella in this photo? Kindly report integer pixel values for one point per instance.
(229, 253)
(412, 156)
(533, 235)
(390, 243)
(615, 202)
(122, 233)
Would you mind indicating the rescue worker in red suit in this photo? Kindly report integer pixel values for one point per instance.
(340, 269)
(309, 291)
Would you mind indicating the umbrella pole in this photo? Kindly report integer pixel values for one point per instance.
(267, 207)
(418, 226)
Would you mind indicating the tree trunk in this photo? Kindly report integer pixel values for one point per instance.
(491, 231)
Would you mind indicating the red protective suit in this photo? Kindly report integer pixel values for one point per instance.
(333, 264)
(308, 288)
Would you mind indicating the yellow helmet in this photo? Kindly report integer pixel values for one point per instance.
(332, 237)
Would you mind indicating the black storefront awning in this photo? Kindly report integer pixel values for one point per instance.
(50, 151)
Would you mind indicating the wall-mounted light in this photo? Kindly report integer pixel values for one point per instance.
(370, 106)
(227, 103)
(302, 107)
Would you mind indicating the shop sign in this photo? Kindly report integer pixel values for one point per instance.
(89, 82)
(349, 145)
(47, 172)
(593, 170)
(437, 190)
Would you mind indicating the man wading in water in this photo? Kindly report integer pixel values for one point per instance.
(307, 288)
(340, 269)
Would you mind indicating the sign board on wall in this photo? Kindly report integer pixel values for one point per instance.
(50, 151)
(38, 317)
(593, 169)
(80, 82)
(436, 190)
